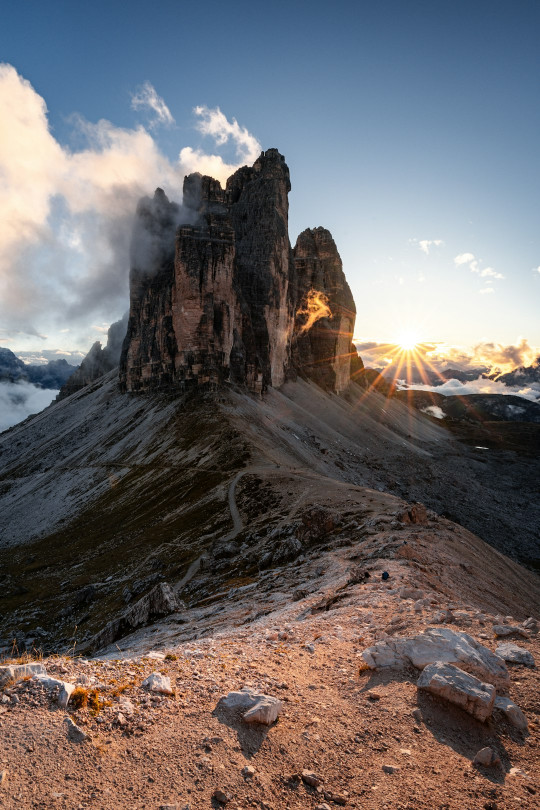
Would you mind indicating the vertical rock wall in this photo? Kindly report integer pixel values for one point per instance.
(323, 351)
(217, 299)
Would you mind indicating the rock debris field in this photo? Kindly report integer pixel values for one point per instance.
(392, 697)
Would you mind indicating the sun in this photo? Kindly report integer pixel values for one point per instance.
(408, 341)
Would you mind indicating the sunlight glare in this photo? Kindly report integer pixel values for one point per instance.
(408, 341)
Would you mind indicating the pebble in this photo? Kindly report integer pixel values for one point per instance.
(3, 777)
(248, 771)
(487, 756)
(220, 796)
(311, 778)
(391, 768)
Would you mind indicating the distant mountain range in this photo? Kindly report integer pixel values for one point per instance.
(524, 375)
(415, 372)
(50, 375)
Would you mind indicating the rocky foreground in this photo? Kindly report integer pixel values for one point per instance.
(363, 689)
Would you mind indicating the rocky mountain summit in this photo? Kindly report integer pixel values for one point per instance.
(226, 299)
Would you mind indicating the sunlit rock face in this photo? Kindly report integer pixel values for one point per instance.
(216, 297)
(325, 315)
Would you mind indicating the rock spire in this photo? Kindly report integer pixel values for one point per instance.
(217, 294)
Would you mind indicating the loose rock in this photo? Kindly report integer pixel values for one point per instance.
(221, 797)
(65, 690)
(487, 757)
(456, 686)
(439, 645)
(509, 630)
(311, 778)
(75, 733)
(259, 708)
(514, 654)
(512, 712)
(156, 682)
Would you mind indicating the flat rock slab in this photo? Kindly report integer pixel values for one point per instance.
(510, 630)
(514, 654)
(75, 733)
(512, 712)
(452, 684)
(258, 708)
(15, 672)
(65, 689)
(442, 645)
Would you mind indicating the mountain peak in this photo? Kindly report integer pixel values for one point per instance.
(222, 299)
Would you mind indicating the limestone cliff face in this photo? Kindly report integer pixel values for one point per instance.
(325, 315)
(218, 301)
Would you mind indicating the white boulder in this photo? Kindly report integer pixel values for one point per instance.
(64, 689)
(15, 672)
(452, 684)
(156, 682)
(258, 708)
(443, 645)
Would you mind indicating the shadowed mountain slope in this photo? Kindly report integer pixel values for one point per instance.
(104, 495)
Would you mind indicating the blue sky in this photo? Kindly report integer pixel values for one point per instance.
(410, 129)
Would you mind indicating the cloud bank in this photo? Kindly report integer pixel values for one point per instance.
(453, 388)
(19, 400)
(67, 215)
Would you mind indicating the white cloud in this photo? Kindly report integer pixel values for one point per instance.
(464, 258)
(425, 244)
(489, 271)
(474, 267)
(214, 123)
(486, 290)
(434, 410)
(536, 269)
(67, 215)
(146, 97)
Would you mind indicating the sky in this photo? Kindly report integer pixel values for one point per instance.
(410, 129)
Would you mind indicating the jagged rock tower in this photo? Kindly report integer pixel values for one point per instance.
(223, 297)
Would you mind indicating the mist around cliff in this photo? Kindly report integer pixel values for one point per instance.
(68, 212)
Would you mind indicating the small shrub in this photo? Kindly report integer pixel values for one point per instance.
(79, 698)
